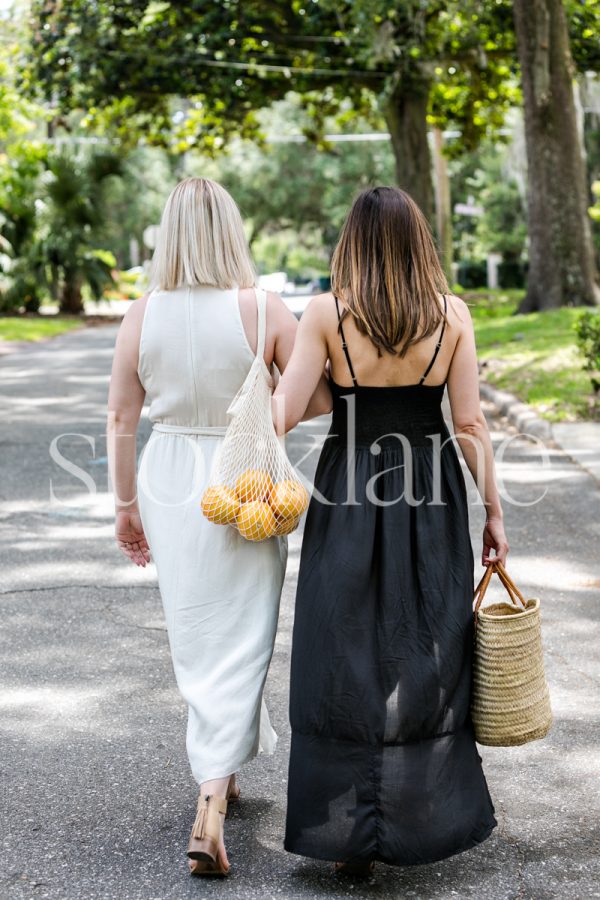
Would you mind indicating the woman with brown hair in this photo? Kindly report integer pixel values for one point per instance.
(384, 764)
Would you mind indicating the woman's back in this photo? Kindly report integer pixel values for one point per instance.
(194, 354)
(374, 370)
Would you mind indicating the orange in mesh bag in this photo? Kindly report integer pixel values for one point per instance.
(253, 486)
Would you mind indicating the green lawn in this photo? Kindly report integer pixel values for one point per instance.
(534, 356)
(35, 328)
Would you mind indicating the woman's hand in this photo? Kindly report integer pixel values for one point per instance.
(494, 538)
(130, 537)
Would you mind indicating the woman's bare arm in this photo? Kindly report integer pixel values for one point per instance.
(288, 332)
(472, 433)
(303, 391)
(125, 401)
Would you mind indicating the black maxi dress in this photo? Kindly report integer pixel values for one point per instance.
(383, 763)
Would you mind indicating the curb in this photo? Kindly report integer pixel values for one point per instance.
(585, 453)
(518, 413)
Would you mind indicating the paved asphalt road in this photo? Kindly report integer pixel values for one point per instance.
(97, 799)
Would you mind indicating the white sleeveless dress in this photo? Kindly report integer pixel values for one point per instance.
(220, 593)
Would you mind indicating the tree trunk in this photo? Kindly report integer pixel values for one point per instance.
(443, 211)
(71, 301)
(561, 262)
(405, 112)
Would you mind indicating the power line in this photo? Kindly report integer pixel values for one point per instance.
(269, 67)
(361, 137)
(265, 67)
(333, 138)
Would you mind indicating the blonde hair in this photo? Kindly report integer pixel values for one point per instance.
(201, 239)
(386, 271)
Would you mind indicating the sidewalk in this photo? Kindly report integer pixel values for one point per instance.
(580, 440)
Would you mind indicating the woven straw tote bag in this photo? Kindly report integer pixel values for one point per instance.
(510, 703)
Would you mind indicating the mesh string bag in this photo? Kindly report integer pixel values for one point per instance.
(253, 487)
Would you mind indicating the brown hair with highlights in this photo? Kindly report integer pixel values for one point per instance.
(385, 269)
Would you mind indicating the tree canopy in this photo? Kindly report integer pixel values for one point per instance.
(194, 76)
(124, 63)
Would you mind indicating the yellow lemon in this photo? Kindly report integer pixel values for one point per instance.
(288, 499)
(256, 521)
(254, 484)
(286, 526)
(220, 504)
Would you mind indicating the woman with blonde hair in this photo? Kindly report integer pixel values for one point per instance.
(187, 347)
(384, 764)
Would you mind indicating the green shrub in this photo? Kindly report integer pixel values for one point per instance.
(127, 277)
(491, 303)
(23, 294)
(587, 329)
(472, 273)
(512, 273)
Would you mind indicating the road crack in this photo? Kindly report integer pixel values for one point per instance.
(519, 853)
(62, 587)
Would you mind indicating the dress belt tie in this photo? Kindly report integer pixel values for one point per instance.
(202, 430)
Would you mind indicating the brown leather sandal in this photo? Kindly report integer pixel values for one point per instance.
(201, 867)
(206, 830)
(233, 790)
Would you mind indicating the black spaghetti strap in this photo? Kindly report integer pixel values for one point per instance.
(344, 344)
(437, 346)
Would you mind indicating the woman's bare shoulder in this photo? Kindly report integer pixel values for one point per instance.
(275, 304)
(131, 323)
(322, 307)
(460, 310)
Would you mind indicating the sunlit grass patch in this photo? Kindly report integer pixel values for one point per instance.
(35, 328)
(535, 357)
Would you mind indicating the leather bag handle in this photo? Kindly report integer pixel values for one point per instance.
(513, 592)
(509, 583)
